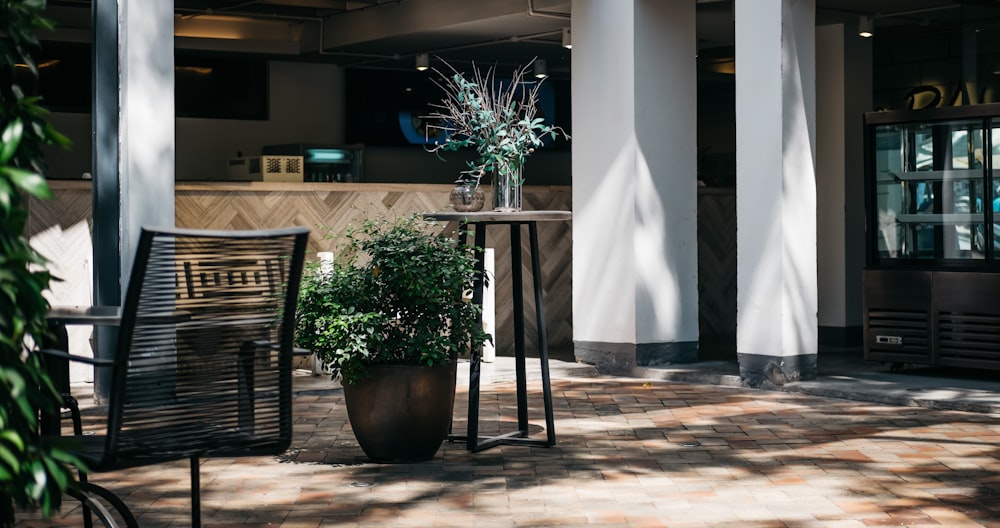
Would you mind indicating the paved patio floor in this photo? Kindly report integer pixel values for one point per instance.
(630, 453)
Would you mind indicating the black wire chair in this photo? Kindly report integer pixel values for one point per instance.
(203, 362)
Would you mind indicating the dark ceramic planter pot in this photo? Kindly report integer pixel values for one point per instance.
(402, 414)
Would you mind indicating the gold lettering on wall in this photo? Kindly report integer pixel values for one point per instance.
(940, 95)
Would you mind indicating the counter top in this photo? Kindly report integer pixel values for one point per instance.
(213, 186)
(499, 217)
(310, 187)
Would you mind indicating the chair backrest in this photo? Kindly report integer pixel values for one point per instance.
(203, 364)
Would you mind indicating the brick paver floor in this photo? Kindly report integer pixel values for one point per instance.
(630, 453)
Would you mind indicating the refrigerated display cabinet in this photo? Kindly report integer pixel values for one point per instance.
(932, 276)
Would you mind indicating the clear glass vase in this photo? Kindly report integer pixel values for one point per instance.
(507, 183)
(467, 197)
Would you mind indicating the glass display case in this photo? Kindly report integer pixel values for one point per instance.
(932, 278)
(929, 190)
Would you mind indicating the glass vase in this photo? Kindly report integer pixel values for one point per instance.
(467, 197)
(507, 189)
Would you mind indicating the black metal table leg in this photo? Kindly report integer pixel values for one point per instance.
(517, 287)
(518, 437)
(543, 337)
(515, 221)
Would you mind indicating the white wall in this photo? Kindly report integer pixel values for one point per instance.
(830, 173)
(844, 93)
(70, 164)
(858, 100)
(307, 106)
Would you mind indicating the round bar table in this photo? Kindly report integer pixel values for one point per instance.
(480, 220)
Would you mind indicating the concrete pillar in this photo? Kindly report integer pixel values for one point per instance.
(843, 94)
(133, 52)
(776, 329)
(635, 299)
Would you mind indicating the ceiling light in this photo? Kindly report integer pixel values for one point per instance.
(541, 71)
(866, 26)
(423, 61)
(567, 39)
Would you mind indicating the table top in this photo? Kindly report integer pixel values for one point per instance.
(500, 216)
(86, 315)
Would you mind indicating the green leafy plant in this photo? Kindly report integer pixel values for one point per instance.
(392, 296)
(32, 473)
(499, 118)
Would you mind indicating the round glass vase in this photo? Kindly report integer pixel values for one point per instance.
(467, 197)
(507, 190)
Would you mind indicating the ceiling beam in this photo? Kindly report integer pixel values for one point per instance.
(412, 17)
(336, 5)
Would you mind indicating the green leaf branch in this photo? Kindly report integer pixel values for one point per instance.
(34, 472)
(498, 118)
(392, 296)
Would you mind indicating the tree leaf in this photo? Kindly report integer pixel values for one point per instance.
(28, 181)
(11, 138)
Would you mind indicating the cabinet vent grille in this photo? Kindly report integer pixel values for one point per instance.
(969, 339)
(898, 331)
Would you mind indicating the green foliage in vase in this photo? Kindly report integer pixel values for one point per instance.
(32, 473)
(498, 118)
(392, 296)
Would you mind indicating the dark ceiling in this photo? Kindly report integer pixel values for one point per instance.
(290, 8)
(390, 33)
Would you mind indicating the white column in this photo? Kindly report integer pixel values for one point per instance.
(776, 332)
(133, 132)
(133, 172)
(147, 119)
(635, 298)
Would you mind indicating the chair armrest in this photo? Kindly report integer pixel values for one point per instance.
(264, 343)
(99, 362)
(90, 315)
(172, 317)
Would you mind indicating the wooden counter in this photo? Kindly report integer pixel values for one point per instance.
(60, 229)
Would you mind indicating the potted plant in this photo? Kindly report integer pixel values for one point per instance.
(499, 118)
(389, 318)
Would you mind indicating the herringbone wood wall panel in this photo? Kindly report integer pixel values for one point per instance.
(60, 228)
(717, 262)
(330, 208)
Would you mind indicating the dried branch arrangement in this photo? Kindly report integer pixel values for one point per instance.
(496, 117)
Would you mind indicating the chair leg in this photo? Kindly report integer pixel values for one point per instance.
(69, 402)
(195, 493)
(110, 510)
